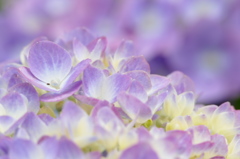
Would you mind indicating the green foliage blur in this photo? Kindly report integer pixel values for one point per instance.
(236, 103)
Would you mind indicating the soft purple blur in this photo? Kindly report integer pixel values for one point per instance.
(200, 38)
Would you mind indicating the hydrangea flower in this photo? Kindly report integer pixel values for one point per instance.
(105, 106)
(50, 68)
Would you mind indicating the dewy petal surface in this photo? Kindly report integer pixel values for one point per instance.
(49, 62)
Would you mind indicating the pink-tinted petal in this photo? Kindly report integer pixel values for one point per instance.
(139, 151)
(75, 72)
(142, 77)
(65, 93)
(26, 73)
(136, 63)
(30, 93)
(15, 104)
(134, 108)
(49, 62)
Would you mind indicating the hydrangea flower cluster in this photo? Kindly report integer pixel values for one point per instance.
(73, 99)
(200, 37)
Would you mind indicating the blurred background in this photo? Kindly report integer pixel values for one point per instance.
(201, 38)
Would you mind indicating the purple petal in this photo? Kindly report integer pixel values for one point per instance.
(139, 151)
(124, 50)
(200, 134)
(81, 34)
(181, 82)
(14, 80)
(14, 104)
(87, 100)
(65, 93)
(72, 112)
(97, 47)
(134, 108)
(47, 119)
(61, 149)
(23, 149)
(5, 123)
(26, 73)
(67, 149)
(98, 106)
(93, 155)
(80, 51)
(75, 72)
(4, 145)
(115, 84)
(49, 62)
(155, 102)
(142, 77)
(143, 134)
(137, 90)
(136, 63)
(187, 99)
(92, 81)
(96, 85)
(220, 147)
(176, 144)
(106, 116)
(34, 126)
(25, 52)
(22, 134)
(2, 92)
(28, 91)
(158, 83)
